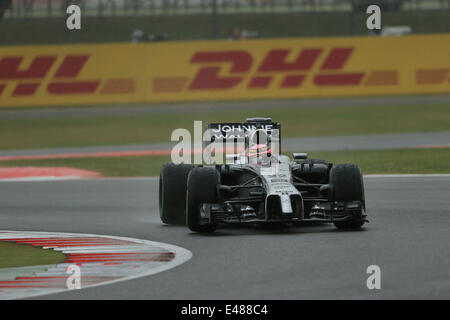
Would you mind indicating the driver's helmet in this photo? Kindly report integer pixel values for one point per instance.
(259, 151)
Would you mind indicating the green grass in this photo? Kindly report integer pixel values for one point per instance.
(109, 167)
(392, 160)
(370, 161)
(21, 255)
(194, 27)
(105, 129)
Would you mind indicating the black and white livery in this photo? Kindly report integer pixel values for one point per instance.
(259, 185)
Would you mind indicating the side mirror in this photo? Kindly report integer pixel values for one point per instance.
(300, 156)
(326, 191)
(223, 191)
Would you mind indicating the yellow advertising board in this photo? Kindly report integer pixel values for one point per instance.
(224, 70)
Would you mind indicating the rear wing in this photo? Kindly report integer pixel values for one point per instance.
(233, 131)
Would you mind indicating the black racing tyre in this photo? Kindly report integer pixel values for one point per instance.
(312, 170)
(347, 185)
(311, 160)
(201, 188)
(172, 192)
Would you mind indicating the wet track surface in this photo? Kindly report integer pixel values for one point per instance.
(408, 237)
(130, 109)
(355, 142)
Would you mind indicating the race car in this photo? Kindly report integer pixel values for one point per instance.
(259, 185)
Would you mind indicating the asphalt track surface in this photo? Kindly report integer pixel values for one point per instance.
(407, 237)
(306, 144)
(137, 109)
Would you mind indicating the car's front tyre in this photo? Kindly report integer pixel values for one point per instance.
(172, 192)
(201, 188)
(347, 185)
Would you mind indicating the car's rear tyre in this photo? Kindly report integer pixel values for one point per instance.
(347, 185)
(201, 188)
(312, 170)
(172, 192)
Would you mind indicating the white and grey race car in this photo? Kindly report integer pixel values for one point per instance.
(260, 186)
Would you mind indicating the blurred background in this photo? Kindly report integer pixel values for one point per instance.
(39, 21)
(104, 101)
(383, 103)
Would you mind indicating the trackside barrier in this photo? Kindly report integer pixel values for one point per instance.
(224, 70)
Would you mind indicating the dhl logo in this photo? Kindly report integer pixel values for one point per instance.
(274, 62)
(63, 80)
(294, 72)
(229, 73)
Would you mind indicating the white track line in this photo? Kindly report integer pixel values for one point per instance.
(127, 270)
(406, 175)
(49, 178)
(74, 178)
(32, 179)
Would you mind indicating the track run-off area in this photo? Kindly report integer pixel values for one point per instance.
(407, 237)
(91, 260)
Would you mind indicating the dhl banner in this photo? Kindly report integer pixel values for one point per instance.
(223, 70)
